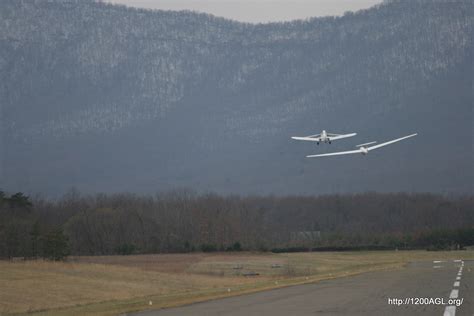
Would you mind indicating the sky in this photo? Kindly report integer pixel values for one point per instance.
(257, 11)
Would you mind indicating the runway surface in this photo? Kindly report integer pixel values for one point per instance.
(365, 294)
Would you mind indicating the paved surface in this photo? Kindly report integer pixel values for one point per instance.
(365, 294)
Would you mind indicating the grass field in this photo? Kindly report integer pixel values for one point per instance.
(110, 285)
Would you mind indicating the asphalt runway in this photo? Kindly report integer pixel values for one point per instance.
(365, 294)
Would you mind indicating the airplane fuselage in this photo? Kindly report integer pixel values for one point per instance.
(324, 138)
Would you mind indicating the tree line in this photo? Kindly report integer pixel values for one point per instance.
(182, 221)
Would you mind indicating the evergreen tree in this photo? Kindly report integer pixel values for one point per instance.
(55, 245)
(20, 200)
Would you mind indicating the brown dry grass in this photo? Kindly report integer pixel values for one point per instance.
(108, 285)
(167, 263)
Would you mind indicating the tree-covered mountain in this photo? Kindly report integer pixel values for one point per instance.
(108, 98)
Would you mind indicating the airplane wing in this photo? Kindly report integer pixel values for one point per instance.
(341, 136)
(312, 138)
(357, 151)
(366, 144)
(390, 142)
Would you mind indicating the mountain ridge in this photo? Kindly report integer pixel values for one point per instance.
(111, 98)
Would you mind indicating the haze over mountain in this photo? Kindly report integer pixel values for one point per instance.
(261, 11)
(108, 98)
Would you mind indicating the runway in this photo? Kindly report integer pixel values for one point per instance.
(430, 284)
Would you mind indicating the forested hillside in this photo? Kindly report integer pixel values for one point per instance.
(182, 221)
(109, 98)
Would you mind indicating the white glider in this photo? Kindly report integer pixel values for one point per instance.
(324, 137)
(362, 148)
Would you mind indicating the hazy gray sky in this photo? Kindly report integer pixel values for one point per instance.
(256, 11)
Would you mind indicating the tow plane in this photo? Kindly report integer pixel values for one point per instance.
(363, 149)
(324, 137)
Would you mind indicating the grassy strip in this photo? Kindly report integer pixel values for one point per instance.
(173, 289)
(166, 301)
